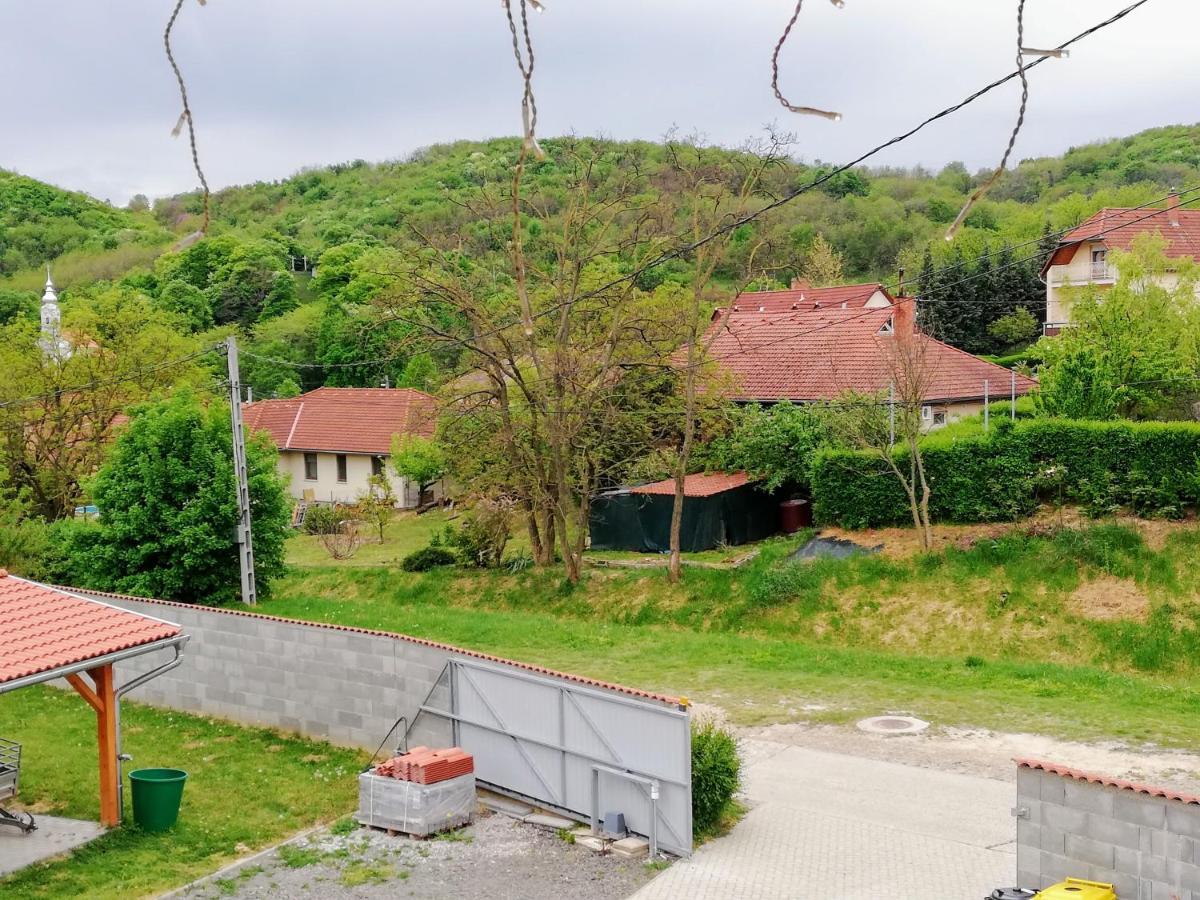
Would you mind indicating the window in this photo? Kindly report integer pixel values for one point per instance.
(376, 465)
(341, 468)
(939, 417)
(887, 328)
(1099, 256)
(310, 467)
(926, 413)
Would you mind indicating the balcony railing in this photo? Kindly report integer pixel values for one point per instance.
(1096, 272)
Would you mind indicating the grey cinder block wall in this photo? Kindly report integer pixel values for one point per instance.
(344, 685)
(1145, 841)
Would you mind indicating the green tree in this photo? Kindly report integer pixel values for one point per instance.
(1016, 327)
(188, 302)
(168, 508)
(418, 459)
(823, 266)
(773, 443)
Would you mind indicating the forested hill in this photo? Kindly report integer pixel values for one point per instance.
(359, 219)
(40, 222)
(875, 218)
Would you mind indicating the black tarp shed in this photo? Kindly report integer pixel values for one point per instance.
(718, 509)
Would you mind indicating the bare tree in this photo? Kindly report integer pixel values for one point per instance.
(715, 189)
(543, 409)
(888, 424)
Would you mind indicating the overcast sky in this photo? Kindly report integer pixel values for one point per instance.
(277, 85)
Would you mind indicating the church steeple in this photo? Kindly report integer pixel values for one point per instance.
(52, 342)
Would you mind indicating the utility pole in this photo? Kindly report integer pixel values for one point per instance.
(242, 534)
(986, 403)
(1012, 394)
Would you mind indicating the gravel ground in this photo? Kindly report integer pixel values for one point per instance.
(497, 857)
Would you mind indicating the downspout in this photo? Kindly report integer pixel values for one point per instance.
(121, 692)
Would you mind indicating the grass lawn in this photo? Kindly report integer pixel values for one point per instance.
(1083, 633)
(247, 788)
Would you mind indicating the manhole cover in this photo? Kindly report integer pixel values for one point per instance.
(893, 725)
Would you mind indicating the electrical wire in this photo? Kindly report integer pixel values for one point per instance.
(92, 385)
(983, 189)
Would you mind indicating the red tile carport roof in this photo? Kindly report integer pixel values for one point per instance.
(47, 628)
(1093, 778)
(344, 420)
(1117, 229)
(437, 645)
(700, 485)
(811, 355)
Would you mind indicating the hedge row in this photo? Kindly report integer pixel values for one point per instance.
(1151, 468)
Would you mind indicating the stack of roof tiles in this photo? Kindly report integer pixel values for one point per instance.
(421, 765)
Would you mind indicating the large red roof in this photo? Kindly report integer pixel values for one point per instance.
(46, 628)
(817, 354)
(699, 485)
(1117, 229)
(344, 420)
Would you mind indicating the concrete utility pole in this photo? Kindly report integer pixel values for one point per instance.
(892, 414)
(242, 534)
(986, 403)
(1012, 394)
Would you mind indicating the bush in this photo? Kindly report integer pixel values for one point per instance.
(716, 775)
(427, 558)
(1150, 468)
(484, 533)
(323, 519)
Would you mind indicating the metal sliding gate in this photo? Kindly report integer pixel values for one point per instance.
(580, 750)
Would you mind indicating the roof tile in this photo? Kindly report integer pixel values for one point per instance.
(817, 354)
(1119, 783)
(46, 628)
(344, 420)
(699, 485)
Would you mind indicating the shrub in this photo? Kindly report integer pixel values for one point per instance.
(716, 775)
(1151, 468)
(483, 534)
(323, 519)
(427, 558)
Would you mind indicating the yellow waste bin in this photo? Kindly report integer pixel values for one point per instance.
(1078, 889)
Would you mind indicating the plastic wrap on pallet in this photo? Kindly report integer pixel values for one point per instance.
(420, 809)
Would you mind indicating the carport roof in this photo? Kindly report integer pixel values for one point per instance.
(48, 630)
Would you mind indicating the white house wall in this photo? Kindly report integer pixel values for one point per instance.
(327, 489)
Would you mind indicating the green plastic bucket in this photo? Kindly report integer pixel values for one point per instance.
(156, 797)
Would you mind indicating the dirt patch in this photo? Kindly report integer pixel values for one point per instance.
(1109, 599)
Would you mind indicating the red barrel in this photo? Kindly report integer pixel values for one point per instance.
(794, 515)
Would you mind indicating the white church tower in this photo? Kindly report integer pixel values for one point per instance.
(52, 341)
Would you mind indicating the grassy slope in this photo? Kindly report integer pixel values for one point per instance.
(991, 635)
(297, 783)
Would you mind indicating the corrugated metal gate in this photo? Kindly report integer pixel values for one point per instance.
(580, 750)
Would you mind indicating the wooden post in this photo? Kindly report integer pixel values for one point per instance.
(103, 700)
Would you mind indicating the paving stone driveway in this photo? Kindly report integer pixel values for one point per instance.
(828, 826)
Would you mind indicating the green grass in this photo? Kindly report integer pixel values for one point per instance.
(985, 635)
(247, 788)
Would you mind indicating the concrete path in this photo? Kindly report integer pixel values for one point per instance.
(54, 836)
(826, 825)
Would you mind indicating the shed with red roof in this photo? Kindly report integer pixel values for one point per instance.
(718, 509)
(52, 633)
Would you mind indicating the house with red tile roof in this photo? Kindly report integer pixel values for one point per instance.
(1083, 254)
(332, 440)
(807, 345)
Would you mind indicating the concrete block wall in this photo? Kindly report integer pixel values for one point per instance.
(1147, 846)
(343, 686)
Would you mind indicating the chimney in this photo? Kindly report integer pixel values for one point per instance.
(900, 283)
(801, 284)
(1173, 208)
(904, 317)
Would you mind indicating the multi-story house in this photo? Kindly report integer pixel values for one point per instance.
(1084, 255)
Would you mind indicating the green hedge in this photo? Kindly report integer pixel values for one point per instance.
(1151, 468)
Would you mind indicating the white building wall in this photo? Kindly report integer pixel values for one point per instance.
(1063, 282)
(327, 489)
